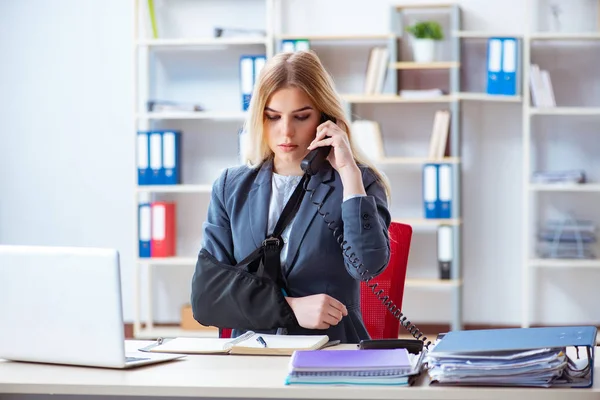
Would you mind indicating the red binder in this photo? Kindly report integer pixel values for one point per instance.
(164, 229)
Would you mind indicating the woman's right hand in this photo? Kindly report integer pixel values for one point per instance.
(318, 311)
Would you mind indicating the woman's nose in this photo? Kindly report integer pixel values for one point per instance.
(287, 127)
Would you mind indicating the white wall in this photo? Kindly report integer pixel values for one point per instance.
(67, 144)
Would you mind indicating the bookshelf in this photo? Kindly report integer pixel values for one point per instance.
(215, 115)
(532, 137)
(395, 43)
(400, 63)
(204, 123)
(223, 113)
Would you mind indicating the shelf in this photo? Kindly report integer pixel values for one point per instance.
(565, 111)
(427, 222)
(433, 283)
(420, 65)
(390, 98)
(488, 97)
(315, 38)
(174, 331)
(424, 6)
(217, 115)
(175, 189)
(564, 263)
(565, 36)
(568, 187)
(179, 261)
(416, 160)
(485, 35)
(208, 41)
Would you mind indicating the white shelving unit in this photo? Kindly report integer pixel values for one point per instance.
(144, 48)
(531, 264)
(143, 120)
(216, 115)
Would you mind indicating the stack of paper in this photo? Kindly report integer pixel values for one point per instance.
(528, 368)
(536, 357)
(354, 367)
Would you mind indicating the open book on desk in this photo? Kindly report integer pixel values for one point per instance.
(249, 343)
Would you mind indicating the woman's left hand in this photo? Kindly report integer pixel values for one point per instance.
(341, 157)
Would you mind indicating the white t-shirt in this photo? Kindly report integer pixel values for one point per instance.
(282, 189)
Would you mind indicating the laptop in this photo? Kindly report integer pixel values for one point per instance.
(63, 305)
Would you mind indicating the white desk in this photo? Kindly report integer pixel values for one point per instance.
(231, 377)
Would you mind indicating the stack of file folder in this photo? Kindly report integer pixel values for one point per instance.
(354, 367)
(533, 357)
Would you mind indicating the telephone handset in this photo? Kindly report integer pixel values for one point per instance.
(311, 165)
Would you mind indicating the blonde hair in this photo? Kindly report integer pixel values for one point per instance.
(301, 69)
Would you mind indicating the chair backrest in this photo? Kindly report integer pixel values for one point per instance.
(379, 321)
(225, 333)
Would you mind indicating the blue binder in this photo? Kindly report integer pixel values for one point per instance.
(510, 76)
(520, 339)
(143, 159)
(430, 191)
(494, 66)
(171, 158)
(444, 203)
(246, 80)
(156, 167)
(144, 229)
(288, 46)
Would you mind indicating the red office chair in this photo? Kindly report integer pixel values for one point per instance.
(225, 333)
(379, 321)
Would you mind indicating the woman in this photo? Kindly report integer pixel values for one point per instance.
(322, 292)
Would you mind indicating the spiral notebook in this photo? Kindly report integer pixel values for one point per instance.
(354, 367)
(248, 343)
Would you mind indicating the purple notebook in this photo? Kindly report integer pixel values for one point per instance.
(324, 360)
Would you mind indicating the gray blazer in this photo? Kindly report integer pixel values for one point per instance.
(237, 224)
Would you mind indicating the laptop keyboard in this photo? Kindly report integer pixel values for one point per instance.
(133, 359)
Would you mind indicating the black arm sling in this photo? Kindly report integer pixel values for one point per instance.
(250, 294)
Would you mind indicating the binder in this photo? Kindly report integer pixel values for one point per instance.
(288, 46)
(163, 241)
(494, 66)
(259, 63)
(156, 166)
(510, 76)
(143, 159)
(171, 158)
(302, 45)
(144, 230)
(430, 190)
(445, 191)
(445, 250)
(246, 80)
(495, 342)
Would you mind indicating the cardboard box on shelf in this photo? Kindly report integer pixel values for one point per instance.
(189, 323)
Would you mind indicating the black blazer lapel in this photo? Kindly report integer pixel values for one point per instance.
(259, 199)
(320, 186)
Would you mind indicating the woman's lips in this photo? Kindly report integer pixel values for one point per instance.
(288, 147)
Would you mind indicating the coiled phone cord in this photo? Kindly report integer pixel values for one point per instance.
(362, 271)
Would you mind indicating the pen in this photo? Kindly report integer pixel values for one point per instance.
(260, 340)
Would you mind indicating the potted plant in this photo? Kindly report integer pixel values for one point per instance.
(426, 34)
